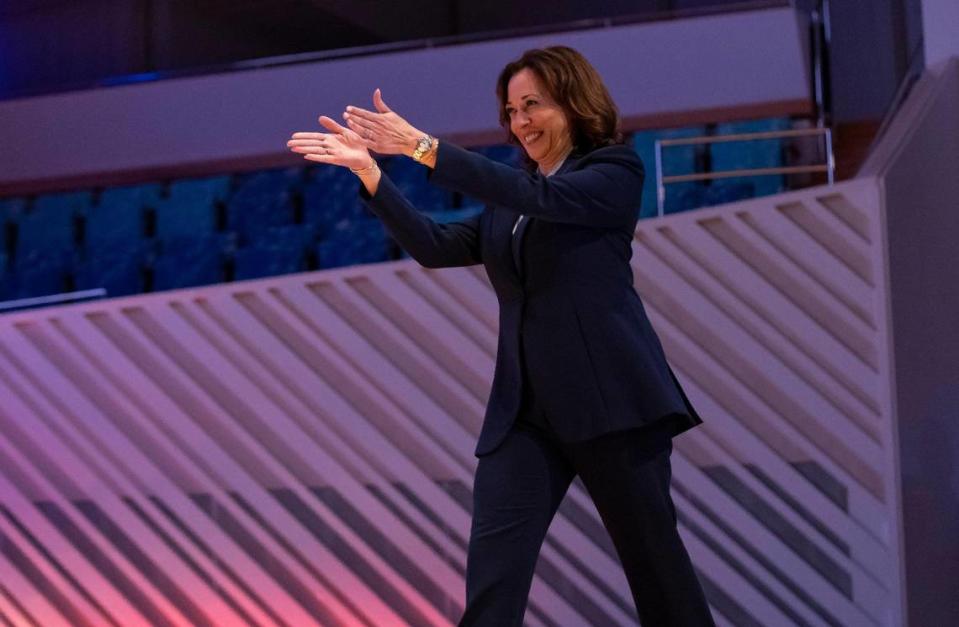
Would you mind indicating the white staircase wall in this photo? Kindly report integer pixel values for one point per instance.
(299, 449)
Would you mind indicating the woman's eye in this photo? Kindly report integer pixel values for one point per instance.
(530, 103)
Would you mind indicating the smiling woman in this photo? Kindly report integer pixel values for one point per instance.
(581, 385)
(553, 75)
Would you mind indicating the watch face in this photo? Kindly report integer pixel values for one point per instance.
(422, 146)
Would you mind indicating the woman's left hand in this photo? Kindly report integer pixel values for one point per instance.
(383, 131)
(340, 146)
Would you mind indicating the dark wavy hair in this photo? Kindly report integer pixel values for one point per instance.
(575, 85)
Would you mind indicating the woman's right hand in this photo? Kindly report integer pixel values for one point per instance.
(340, 146)
(383, 130)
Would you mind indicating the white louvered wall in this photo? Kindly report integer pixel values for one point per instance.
(298, 450)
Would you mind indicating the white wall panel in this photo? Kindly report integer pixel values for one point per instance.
(742, 63)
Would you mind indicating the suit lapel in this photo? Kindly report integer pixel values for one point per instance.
(516, 246)
(501, 241)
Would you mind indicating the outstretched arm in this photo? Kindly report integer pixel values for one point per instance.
(432, 245)
(604, 191)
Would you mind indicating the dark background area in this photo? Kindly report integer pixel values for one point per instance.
(54, 45)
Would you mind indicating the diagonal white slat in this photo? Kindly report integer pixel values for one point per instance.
(773, 380)
(35, 475)
(85, 477)
(130, 461)
(744, 447)
(209, 458)
(32, 606)
(826, 378)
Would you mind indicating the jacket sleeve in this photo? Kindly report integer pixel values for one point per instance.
(433, 245)
(604, 191)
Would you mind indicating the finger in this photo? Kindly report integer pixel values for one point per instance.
(366, 134)
(378, 102)
(361, 129)
(362, 113)
(361, 138)
(310, 149)
(331, 124)
(305, 135)
(313, 150)
(357, 122)
(321, 159)
(307, 142)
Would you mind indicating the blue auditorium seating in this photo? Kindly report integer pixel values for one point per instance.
(190, 262)
(143, 195)
(49, 223)
(504, 153)
(765, 153)
(728, 190)
(676, 160)
(352, 242)
(10, 211)
(42, 273)
(117, 220)
(684, 196)
(410, 178)
(262, 200)
(190, 208)
(330, 197)
(36, 263)
(118, 270)
(280, 250)
(7, 288)
(65, 202)
(11, 208)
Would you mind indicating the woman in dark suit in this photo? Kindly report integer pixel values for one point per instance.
(581, 385)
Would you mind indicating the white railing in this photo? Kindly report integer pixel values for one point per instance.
(662, 179)
(53, 299)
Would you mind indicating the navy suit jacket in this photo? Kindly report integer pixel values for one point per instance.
(590, 352)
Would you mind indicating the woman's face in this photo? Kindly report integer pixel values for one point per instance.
(537, 121)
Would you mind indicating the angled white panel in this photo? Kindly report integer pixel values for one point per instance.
(299, 449)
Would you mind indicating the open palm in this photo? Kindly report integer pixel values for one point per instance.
(340, 146)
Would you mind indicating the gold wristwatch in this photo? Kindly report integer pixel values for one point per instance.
(423, 145)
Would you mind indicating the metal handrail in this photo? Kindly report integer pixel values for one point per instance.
(729, 174)
(732, 137)
(55, 299)
(662, 180)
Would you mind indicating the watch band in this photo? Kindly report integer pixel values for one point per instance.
(423, 145)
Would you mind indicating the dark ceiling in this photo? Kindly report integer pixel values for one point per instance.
(51, 45)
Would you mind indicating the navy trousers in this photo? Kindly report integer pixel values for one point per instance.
(517, 490)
